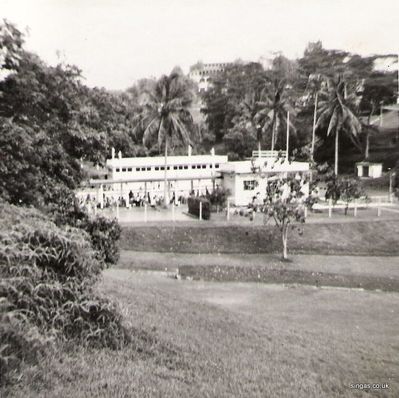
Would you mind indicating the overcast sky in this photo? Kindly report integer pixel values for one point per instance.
(116, 42)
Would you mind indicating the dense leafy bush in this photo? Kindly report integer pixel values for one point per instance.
(104, 233)
(218, 197)
(343, 188)
(46, 290)
(194, 205)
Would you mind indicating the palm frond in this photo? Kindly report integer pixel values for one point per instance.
(334, 121)
(151, 128)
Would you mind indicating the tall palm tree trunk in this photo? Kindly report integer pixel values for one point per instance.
(367, 149)
(314, 125)
(274, 130)
(165, 183)
(336, 152)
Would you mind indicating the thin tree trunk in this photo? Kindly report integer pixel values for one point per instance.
(165, 194)
(259, 148)
(288, 136)
(274, 132)
(366, 152)
(336, 152)
(314, 125)
(285, 236)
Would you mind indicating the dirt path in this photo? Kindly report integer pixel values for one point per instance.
(348, 265)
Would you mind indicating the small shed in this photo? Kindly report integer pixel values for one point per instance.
(367, 169)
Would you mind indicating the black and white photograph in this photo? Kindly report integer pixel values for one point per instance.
(199, 198)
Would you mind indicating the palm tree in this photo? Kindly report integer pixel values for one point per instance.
(313, 88)
(276, 109)
(165, 116)
(336, 111)
(253, 112)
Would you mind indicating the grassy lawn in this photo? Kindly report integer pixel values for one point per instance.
(202, 339)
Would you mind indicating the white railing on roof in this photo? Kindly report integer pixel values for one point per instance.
(268, 154)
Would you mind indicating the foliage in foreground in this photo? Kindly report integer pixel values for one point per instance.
(46, 290)
(104, 233)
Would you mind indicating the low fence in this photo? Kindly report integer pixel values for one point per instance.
(376, 205)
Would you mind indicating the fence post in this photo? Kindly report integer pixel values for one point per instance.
(145, 212)
(355, 208)
(306, 212)
(379, 207)
(329, 208)
(228, 209)
(200, 211)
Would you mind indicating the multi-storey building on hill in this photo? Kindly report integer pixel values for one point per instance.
(202, 73)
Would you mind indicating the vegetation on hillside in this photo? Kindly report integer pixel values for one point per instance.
(46, 291)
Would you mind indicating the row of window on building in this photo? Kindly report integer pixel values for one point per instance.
(157, 168)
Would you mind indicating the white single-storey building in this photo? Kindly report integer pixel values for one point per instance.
(144, 176)
(248, 179)
(141, 176)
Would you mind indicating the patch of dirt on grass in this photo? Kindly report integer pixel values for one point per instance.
(288, 276)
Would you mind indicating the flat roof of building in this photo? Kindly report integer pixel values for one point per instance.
(263, 165)
(160, 160)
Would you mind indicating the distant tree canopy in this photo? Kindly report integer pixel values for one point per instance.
(291, 85)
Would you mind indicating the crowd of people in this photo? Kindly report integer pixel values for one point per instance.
(91, 202)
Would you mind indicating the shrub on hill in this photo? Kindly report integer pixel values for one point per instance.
(218, 197)
(104, 233)
(194, 207)
(46, 291)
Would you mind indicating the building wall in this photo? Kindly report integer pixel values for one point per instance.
(229, 183)
(375, 170)
(203, 75)
(247, 186)
(146, 175)
(199, 173)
